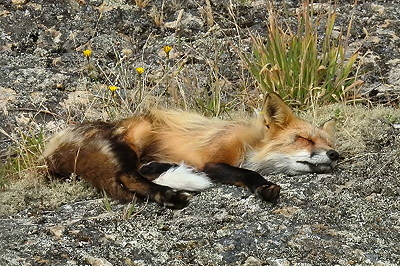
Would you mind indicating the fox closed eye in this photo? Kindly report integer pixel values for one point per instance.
(305, 139)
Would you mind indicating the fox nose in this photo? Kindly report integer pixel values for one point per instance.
(332, 154)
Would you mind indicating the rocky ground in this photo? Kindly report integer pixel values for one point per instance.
(348, 218)
(351, 216)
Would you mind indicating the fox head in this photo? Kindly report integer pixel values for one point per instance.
(290, 144)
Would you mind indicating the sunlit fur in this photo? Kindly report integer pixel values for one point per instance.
(276, 141)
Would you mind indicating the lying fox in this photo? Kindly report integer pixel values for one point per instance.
(164, 153)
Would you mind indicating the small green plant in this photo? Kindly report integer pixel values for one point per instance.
(129, 210)
(22, 157)
(106, 202)
(210, 103)
(304, 67)
(338, 113)
(392, 119)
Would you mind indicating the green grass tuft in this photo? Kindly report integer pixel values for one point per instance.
(23, 157)
(305, 67)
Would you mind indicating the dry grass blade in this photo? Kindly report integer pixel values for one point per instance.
(142, 3)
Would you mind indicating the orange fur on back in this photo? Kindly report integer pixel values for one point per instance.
(196, 140)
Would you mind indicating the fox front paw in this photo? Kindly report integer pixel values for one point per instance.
(268, 192)
(174, 199)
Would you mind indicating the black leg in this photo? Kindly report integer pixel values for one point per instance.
(228, 174)
(163, 195)
(156, 168)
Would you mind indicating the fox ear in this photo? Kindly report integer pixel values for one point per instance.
(276, 111)
(330, 127)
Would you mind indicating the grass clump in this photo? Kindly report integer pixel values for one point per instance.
(22, 157)
(305, 67)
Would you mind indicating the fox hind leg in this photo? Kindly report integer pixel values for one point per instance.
(136, 183)
(163, 195)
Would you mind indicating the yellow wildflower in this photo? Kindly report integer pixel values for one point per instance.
(167, 49)
(113, 88)
(87, 53)
(140, 70)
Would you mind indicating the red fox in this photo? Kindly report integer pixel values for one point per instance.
(163, 153)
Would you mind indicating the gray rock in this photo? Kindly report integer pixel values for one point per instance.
(348, 217)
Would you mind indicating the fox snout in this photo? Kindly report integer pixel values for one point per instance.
(319, 162)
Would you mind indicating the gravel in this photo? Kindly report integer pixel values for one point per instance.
(349, 217)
